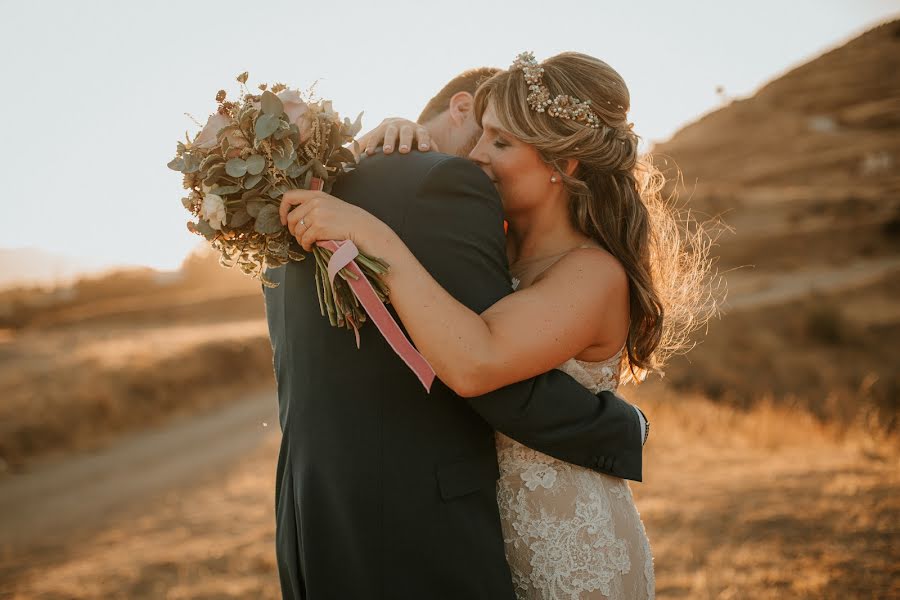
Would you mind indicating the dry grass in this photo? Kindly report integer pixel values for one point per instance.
(767, 503)
(758, 504)
(832, 356)
(75, 384)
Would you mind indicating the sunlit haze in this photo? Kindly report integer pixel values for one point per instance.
(94, 94)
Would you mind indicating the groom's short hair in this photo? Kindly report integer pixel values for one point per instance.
(464, 82)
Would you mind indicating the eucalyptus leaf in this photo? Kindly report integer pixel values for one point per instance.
(236, 167)
(344, 155)
(248, 119)
(224, 190)
(256, 164)
(266, 281)
(283, 159)
(246, 110)
(268, 220)
(266, 126)
(210, 161)
(254, 206)
(187, 201)
(214, 174)
(296, 255)
(271, 104)
(278, 191)
(239, 218)
(294, 170)
(191, 164)
(206, 229)
(176, 164)
(318, 169)
(251, 181)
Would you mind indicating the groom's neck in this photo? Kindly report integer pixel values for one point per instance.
(439, 128)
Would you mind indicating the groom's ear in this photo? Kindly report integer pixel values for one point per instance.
(461, 106)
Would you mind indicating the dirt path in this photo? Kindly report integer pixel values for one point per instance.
(55, 499)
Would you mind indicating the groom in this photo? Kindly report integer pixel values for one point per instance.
(384, 491)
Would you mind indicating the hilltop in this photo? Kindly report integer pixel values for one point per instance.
(833, 121)
(805, 174)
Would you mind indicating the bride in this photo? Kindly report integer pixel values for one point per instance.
(607, 286)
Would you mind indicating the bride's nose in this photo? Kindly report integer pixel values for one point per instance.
(478, 155)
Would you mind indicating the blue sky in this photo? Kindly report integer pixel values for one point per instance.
(94, 94)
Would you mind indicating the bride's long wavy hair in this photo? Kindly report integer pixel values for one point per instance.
(615, 198)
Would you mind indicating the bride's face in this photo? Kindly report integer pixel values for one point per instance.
(516, 168)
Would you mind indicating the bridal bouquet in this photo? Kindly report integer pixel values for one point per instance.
(249, 153)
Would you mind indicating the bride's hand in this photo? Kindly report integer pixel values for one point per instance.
(320, 216)
(387, 134)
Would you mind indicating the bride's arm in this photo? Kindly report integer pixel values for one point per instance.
(520, 336)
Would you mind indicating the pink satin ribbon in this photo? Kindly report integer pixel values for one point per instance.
(343, 255)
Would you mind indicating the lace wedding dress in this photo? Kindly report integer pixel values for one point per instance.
(569, 532)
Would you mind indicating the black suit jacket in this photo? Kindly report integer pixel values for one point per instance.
(384, 491)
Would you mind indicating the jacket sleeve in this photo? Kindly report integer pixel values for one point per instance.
(454, 226)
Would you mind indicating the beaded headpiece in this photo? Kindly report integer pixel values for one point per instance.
(562, 106)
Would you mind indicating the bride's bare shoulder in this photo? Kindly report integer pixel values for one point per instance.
(588, 267)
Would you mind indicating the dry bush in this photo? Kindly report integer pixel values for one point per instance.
(80, 404)
(833, 357)
(98, 296)
(825, 323)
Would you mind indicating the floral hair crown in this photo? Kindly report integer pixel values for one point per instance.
(562, 106)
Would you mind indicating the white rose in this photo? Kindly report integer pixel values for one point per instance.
(213, 210)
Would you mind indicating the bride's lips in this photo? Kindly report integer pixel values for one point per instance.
(491, 177)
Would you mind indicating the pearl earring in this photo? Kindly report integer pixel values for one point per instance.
(553, 179)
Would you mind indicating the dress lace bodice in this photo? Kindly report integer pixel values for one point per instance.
(571, 532)
(595, 376)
